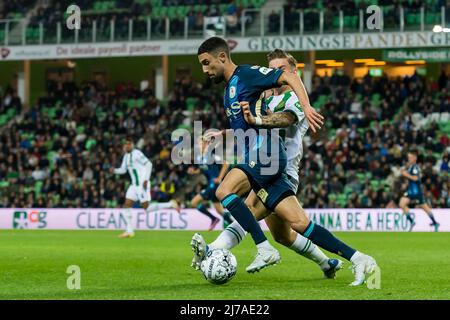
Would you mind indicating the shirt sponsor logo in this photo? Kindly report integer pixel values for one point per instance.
(235, 108)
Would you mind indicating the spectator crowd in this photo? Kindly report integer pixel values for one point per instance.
(58, 153)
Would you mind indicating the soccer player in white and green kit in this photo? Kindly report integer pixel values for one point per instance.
(139, 167)
(284, 102)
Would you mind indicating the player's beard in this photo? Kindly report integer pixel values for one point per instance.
(218, 78)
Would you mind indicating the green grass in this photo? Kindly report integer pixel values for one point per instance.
(155, 265)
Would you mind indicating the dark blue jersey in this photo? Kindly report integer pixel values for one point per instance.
(414, 187)
(246, 84)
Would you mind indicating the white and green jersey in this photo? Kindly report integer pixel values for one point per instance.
(139, 167)
(293, 135)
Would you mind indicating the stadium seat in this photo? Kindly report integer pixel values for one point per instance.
(4, 184)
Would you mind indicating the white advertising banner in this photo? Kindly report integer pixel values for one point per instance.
(191, 219)
(329, 41)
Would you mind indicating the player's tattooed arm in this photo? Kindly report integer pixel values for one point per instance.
(272, 120)
(278, 120)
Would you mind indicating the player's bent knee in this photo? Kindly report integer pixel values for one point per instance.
(222, 192)
(299, 226)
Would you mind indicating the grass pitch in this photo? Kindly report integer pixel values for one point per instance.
(156, 265)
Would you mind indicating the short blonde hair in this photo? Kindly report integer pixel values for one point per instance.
(281, 54)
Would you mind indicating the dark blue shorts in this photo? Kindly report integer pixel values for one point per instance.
(259, 174)
(272, 194)
(271, 191)
(209, 193)
(416, 197)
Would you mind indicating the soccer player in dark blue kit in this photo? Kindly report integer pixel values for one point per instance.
(414, 193)
(246, 83)
(244, 87)
(214, 168)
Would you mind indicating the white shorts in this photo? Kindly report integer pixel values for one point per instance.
(138, 193)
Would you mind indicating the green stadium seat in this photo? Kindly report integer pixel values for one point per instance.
(223, 8)
(163, 11)
(341, 200)
(131, 103)
(156, 12)
(348, 190)
(351, 21)
(361, 176)
(12, 175)
(4, 184)
(431, 18)
(50, 156)
(375, 184)
(375, 98)
(245, 3)
(80, 129)
(90, 143)
(181, 11)
(172, 12)
(140, 103)
(319, 5)
(190, 103)
(258, 3)
(156, 3)
(412, 19)
(335, 22)
(11, 113)
(3, 119)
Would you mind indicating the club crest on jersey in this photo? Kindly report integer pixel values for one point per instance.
(232, 92)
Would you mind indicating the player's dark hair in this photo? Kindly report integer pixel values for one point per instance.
(281, 54)
(214, 46)
(414, 152)
(129, 138)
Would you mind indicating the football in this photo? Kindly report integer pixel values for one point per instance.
(219, 267)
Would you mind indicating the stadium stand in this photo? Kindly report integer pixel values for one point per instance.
(358, 163)
(61, 149)
(121, 12)
(57, 154)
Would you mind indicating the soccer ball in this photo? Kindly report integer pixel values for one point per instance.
(219, 267)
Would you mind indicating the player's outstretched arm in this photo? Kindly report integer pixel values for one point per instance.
(223, 172)
(315, 119)
(272, 120)
(122, 169)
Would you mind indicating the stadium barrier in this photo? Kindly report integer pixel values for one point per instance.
(328, 41)
(190, 219)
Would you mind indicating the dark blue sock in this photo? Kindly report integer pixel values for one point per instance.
(244, 216)
(205, 211)
(409, 218)
(326, 240)
(227, 217)
(432, 218)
